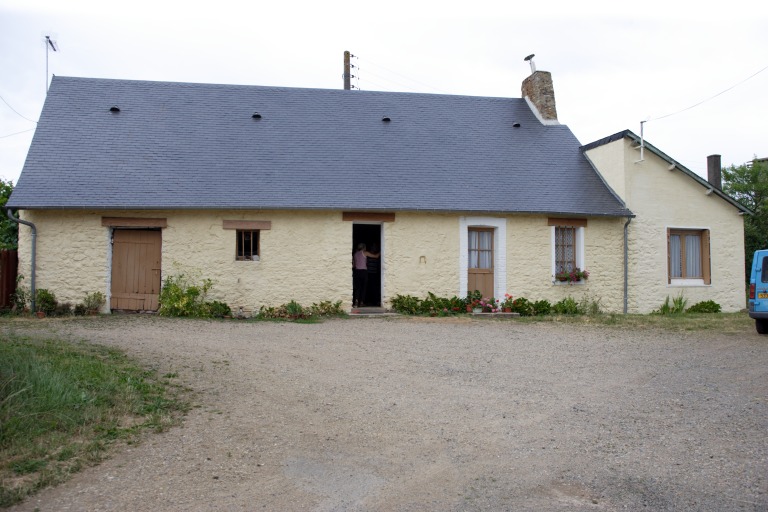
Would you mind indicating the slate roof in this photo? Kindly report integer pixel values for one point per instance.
(197, 146)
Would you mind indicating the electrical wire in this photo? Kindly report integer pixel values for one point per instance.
(17, 133)
(710, 98)
(14, 110)
(409, 87)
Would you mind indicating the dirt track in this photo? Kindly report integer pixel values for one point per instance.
(403, 414)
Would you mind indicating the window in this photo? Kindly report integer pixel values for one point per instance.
(247, 235)
(764, 273)
(481, 248)
(247, 245)
(688, 251)
(565, 248)
(567, 244)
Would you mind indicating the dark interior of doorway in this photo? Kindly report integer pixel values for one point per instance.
(370, 235)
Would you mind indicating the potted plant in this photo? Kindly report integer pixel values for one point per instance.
(475, 306)
(506, 304)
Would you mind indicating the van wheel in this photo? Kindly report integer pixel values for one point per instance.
(761, 326)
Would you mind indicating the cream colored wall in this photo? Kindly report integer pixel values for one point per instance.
(421, 254)
(71, 251)
(661, 198)
(73, 255)
(529, 262)
(306, 256)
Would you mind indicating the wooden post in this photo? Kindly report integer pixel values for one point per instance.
(347, 75)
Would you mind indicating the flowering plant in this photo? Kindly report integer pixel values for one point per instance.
(490, 305)
(507, 302)
(572, 276)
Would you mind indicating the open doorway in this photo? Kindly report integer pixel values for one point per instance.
(370, 235)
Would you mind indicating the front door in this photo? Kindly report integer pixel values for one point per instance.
(135, 269)
(370, 235)
(480, 266)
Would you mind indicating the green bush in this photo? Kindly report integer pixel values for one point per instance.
(94, 302)
(707, 306)
(216, 309)
(590, 306)
(45, 301)
(542, 307)
(21, 296)
(295, 311)
(676, 307)
(326, 308)
(182, 296)
(406, 304)
(63, 309)
(567, 306)
(522, 306)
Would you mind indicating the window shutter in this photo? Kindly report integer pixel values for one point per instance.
(705, 260)
(669, 260)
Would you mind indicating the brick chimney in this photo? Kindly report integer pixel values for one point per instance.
(714, 174)
(538, 89)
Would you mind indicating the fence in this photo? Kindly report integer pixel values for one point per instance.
(9, 264)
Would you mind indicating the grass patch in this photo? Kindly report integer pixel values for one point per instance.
(728, 323)
(62, 405)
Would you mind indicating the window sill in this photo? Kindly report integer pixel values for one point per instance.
(687, 282)
(569, 283)
(255, 258)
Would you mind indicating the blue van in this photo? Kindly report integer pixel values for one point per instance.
(758, 291)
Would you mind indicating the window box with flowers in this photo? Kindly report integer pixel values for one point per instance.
(574, 276)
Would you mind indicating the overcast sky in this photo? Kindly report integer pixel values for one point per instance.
(614, 64)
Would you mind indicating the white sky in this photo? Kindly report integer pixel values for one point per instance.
(613, 63)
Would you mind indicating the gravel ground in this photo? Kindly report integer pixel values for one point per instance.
(445, 415)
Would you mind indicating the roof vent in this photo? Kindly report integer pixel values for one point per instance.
(386, 119)
(515, 125)
(256, 115)
(114, 110)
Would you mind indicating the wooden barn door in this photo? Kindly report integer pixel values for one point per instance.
(136, 269)
(480, 268)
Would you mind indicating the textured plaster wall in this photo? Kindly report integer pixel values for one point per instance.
(304, 257)
(71, 253)
(661, 199)
(529, 262)
(421, 254)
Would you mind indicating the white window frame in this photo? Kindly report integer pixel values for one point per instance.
(499, 226)
(579, 252)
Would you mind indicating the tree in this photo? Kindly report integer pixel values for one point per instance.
(748, 184)
(9, 230)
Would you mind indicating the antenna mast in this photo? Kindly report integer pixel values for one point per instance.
(49, 45)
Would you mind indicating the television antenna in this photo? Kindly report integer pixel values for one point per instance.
(50, 44)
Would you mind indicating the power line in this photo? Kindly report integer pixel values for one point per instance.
(17, 133)
(710, 98)
(403, 76)
(15, 111)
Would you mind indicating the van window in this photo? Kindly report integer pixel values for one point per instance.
(764, 272)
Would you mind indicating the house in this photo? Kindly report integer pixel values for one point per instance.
(266, 190)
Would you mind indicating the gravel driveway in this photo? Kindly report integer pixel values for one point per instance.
(451, 414)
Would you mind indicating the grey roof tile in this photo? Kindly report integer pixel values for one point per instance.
(196, 146)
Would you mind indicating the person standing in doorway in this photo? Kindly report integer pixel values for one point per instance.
(360, 277)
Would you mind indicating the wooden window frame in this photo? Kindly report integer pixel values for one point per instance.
(704, 237)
